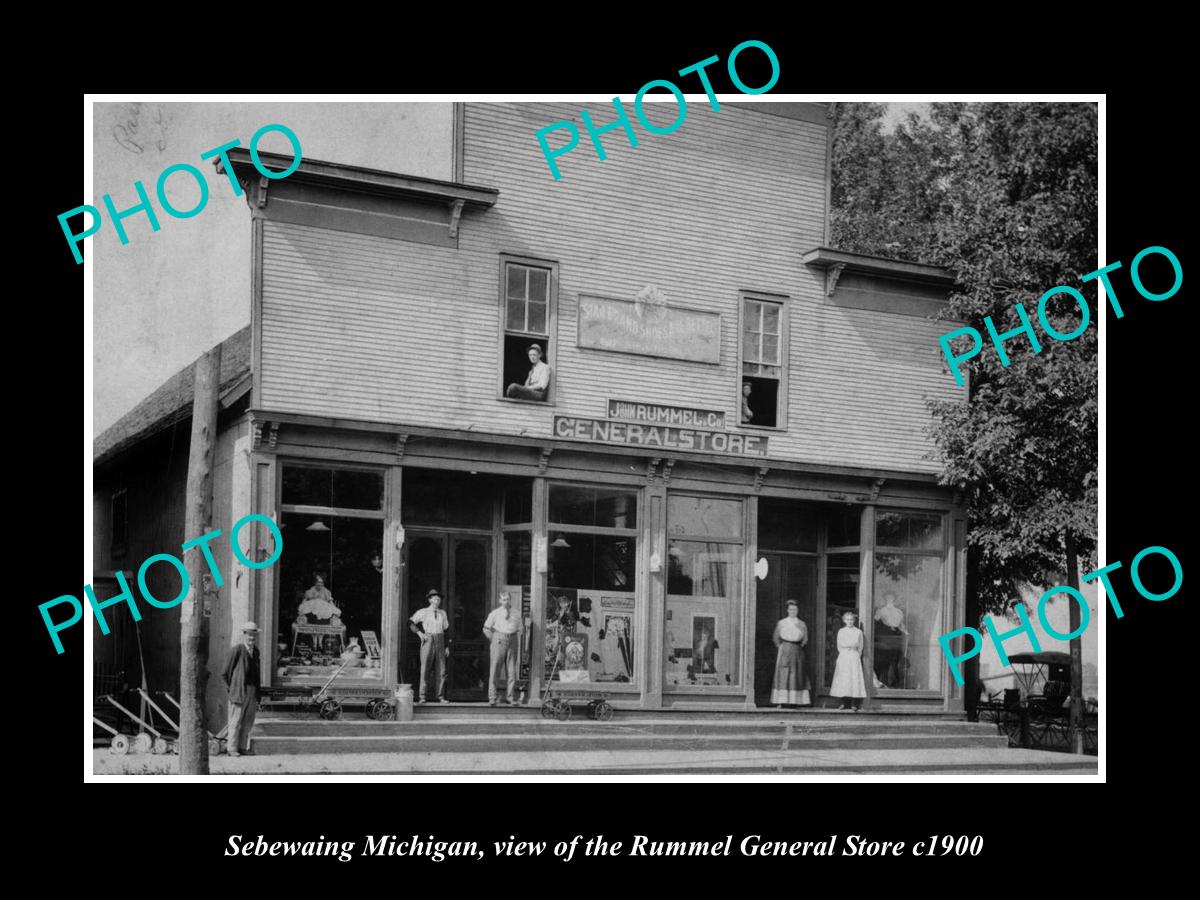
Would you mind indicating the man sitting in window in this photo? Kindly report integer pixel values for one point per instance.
(536, 382)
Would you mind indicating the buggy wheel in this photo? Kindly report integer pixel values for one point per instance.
(119, 745)
(604, 711)
(562, 711)
(330, 709)
(371, 704)
(548, 708)
(384, 711)
(143, 743)
(161, 746)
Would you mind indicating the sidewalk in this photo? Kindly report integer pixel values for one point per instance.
(949, 761)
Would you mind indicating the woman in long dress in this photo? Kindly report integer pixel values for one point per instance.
(791, 680)
(848, 681)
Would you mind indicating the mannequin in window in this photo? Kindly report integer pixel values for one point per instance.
(318, 606)
(747, 412)
(889, 641)
(537, 382)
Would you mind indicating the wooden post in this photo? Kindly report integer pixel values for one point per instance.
(193, 624)
(1076, 723)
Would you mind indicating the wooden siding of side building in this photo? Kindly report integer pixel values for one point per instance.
(364, 327)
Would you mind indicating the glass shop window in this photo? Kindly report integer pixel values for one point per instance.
(764, 363)
(591, 605)
(330, 575)
(527, 293)
(705, 553)
(907, 612)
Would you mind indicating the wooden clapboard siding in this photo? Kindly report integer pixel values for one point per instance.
(362, 326)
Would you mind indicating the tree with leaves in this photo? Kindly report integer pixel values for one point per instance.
(1004, 195)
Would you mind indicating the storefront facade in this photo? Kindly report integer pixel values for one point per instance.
(733, 419)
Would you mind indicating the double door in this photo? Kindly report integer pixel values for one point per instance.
(459, 566)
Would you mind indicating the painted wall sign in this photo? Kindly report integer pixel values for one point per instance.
(659, 437)
(649, 329)
(666, 415)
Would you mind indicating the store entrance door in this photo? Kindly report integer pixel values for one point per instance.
(458, 565)
(790, 576)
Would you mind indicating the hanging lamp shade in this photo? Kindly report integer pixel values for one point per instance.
(317, 526)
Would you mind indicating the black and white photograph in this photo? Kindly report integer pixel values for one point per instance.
(676, 372)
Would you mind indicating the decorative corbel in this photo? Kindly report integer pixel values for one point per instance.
(760, 476)
(256, 439)
(273, 437)
(651, 468)
(456, 209)
(263, 184)
(666, 472)
(547, 452)
(401, 446)
(832, 274)
(876, 486)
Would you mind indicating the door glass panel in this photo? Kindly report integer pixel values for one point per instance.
(842, 577)
(468, 676)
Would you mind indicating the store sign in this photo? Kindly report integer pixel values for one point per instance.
(649, 329)
(666, 415)
(659, 437)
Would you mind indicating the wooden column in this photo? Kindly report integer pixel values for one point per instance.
(392, 606)
(537, 591)
(866, 599)
(652, 595)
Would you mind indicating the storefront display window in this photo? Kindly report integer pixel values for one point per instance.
(908, 600)
(592, 598)
(702, 633)
(331, 574)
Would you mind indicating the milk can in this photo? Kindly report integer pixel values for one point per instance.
(404, 703)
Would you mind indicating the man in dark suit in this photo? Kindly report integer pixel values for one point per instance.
(242, 680)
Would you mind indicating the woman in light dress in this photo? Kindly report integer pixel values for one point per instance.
(791, 680)
(848, 681)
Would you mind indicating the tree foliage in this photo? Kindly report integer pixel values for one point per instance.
(1005, 196)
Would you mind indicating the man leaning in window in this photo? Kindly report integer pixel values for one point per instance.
(537, 382)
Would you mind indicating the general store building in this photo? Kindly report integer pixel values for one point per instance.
(735, 417)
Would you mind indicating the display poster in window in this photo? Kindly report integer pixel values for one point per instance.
(371, 644)
(574, 658)
(562, 620)
(515, 591)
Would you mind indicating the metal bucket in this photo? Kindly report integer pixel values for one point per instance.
(404, 703)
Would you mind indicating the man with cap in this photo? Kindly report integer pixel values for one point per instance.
(242, 679)
(431, 625)
(501, 631)
(537, 382)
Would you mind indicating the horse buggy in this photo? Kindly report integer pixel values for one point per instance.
(1036, 713)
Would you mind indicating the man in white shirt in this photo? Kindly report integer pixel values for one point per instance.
(501, 630)
(431, 625)
(537, 382)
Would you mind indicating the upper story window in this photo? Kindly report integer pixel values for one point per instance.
(527, 292)
(763, 385)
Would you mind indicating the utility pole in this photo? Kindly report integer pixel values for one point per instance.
(1076, 721)
(193, 621)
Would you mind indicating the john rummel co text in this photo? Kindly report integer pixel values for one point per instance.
(436, 850)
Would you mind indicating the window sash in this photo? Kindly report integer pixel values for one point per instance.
(520, 309)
